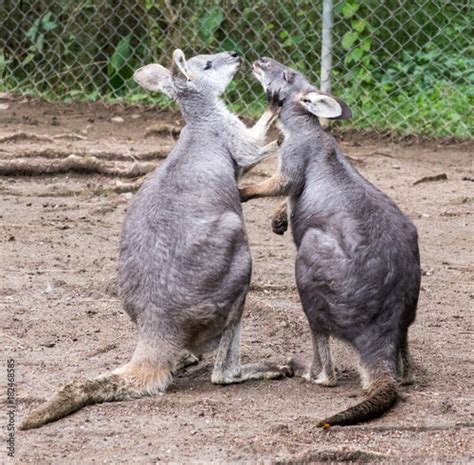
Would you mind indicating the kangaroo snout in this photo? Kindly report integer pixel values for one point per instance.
(258, 70)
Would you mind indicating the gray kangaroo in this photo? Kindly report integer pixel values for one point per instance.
(357, 264)
(185, 264)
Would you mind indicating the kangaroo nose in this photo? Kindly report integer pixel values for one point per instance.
(233, 54)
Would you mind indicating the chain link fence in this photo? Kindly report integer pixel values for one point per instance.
(401, 65)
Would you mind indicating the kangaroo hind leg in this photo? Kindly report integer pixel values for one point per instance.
(321, 370)
(405, 362)
(148, 373)
(227, 367)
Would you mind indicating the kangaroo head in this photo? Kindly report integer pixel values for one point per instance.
(296, 91)
(208, 75)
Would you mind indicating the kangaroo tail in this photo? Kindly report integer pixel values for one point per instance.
(129, 382)
(382, 396)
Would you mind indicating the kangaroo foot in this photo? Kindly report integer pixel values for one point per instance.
(254, 371)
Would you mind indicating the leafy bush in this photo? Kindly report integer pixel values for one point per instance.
(405, 66)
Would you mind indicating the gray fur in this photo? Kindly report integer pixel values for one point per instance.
(185, 264)
(357, 265)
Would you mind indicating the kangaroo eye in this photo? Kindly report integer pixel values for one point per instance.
(208, 65)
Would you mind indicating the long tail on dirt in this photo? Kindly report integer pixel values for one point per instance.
(116, 386)
(382, 395)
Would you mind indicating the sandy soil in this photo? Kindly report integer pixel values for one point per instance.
(61, 318)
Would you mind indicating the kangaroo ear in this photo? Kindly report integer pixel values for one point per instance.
(180, 66)
(325, 106)
(155, 78)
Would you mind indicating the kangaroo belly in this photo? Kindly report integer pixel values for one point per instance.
(346, 293)
(202, 264)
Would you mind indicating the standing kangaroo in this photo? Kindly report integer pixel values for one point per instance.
(185, 264)
(357, 264)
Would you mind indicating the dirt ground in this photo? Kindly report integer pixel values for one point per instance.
(61, 317)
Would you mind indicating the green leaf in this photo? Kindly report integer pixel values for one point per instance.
(366, 44)
(349, 9)
(33, 30)
(210, 22)
(349, 39)
(40, 42)
(46, 22)
(366, 76)
(359, 25)
(297, 39)
(118, 68)
(3, 64)
(356, 54)
(120, 55)
(28, 58)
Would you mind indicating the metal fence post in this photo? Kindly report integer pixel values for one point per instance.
(326, 51)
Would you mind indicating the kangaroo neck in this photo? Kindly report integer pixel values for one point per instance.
(296, 120)
(302, 128)
(306, 140)
(202, 110)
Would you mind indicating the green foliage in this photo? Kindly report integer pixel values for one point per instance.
(120, 68)
(37, 35)
(424, 87)
(405, 66)
(209, 23)
(3, 66)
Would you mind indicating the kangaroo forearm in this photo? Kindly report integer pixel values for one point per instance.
(264, 152)
(259, 130)
(280, 210)
(280, 218)
(272, 187)
(249, 151)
